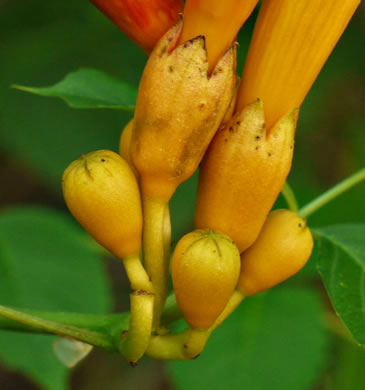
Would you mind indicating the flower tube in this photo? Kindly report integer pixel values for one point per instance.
(219, 22)
(144, 21)
(291, 42)
(249, 159)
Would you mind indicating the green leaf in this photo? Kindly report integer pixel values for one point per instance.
(182, 207)
(89, 88)
(348, 367)
(273, 341)
(341, 265)
(46, 263)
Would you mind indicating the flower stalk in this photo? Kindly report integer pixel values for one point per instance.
(209, 18)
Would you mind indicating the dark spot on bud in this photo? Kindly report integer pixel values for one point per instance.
(171, 69)
(133, 364)
(257, 137)
(300, 225)
(141, 292)
(217, 71)
(263, 126)
(163, 51)
(230, 128)
(102, 160)
(238, 123)
(201, 106)
(187, 44)
(257, 148)
(291, 147)
(269, 154)
(225, 140)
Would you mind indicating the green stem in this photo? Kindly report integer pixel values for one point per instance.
(97, 339)
(111, 325)
(93, 322)
(289, 197)
(332, 193)
(104, 331)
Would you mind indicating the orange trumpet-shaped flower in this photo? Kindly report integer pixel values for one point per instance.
(144, 21)
(219, 21)
(291, 42)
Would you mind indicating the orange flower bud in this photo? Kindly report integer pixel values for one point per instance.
(102, 193)
(205, 269)
(218, 21)
(125, 141)
(125, 145)
(145, 22)
(291, 42)
(243, 173)
(282, 249)
(179, 109)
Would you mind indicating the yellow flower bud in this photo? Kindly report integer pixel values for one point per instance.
(179, 108)
(205, 269)
(243, 173)
(102, 193)
(282, 249)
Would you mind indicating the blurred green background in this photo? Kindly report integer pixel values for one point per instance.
(42, 41)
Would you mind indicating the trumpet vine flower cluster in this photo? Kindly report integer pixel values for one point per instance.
(192, 110)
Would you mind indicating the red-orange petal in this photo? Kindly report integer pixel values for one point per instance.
(144, 21)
